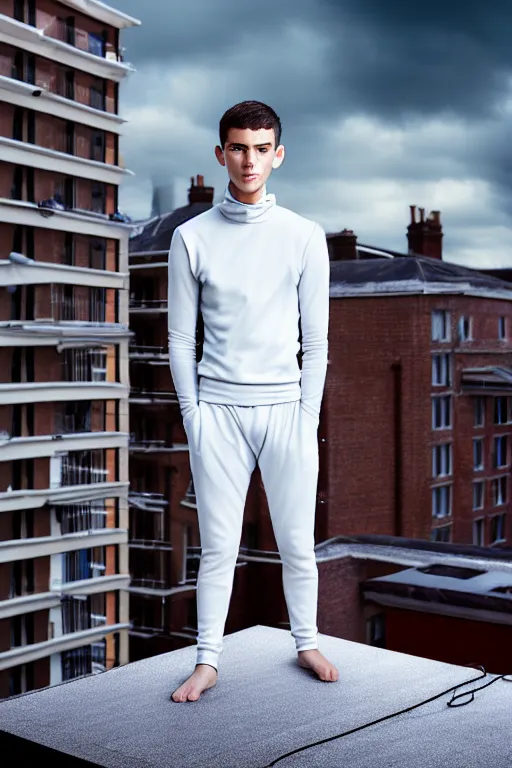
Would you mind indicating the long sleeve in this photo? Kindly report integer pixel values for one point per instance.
(314, 318)
(182, 307)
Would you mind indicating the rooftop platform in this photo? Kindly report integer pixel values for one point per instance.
(263, 707)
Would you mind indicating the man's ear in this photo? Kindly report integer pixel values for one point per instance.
(279, 157)
(219, 154)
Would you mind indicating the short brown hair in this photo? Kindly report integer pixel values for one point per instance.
(252, 115)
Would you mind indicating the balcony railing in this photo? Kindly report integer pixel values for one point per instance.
(148, 446)
(155, 304)
(147, 502)
(84, 364)
(146, 352)
(75, 473)
(68, 307)
(139, 393)
(83, 564)
(88, 516)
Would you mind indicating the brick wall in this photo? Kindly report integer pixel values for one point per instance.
(6, 354)
(368, 335)
(7, 7)
(50, 132)
(49, 245)
(6, 116)
(6, 179)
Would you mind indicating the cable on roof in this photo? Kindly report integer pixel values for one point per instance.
(407, 709)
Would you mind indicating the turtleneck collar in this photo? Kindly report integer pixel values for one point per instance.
(245, 213)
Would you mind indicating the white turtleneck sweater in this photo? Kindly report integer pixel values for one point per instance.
(260, 269)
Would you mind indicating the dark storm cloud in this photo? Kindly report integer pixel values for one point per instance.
(369, 91)
(387, 57)
(440, 56)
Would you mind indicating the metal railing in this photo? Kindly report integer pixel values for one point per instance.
(136, 303)
(87, 516)
(145, 350)
(66, 306)
(83, 470)
(153, 394)
(84, 364)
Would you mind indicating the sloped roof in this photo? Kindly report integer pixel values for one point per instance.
(408, 273)
(157, 233)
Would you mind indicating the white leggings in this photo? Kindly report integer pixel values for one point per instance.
(225, 443)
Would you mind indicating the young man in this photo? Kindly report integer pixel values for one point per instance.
(261, 269)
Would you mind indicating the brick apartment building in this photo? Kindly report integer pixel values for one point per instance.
(63, 344)
(414, 438)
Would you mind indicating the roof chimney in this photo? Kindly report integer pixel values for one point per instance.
(342, 246)
(425, 237)
(198, 193)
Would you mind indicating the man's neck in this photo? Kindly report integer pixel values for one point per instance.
(249, 199)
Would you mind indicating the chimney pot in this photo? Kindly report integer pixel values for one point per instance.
(198, 193)
(413, 214)
(425, 237)
(342, 246)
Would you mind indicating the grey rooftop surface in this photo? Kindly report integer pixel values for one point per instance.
(263, 707)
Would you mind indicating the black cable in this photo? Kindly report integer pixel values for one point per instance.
(401, 712)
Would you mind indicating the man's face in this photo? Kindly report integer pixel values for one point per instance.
(249, 157)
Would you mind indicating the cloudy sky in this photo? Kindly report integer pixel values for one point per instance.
(383, 105)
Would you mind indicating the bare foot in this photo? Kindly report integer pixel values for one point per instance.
(203, 677)
(319, 664)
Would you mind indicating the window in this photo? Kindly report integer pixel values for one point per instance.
(465, 329)
(98, 146)
(441, 325)
(442, 501)
(479, 411)
(478, 453)
(500, 455)
(444, 533)
(497, 528)
(502, 328)
(442, 460)
(97, 97)
(17, 124)
(499, 491)
(98, 197)
(478, 533)
(478, 494)
(501, 410)
(19, 10)
(441, 370)
(441, 412)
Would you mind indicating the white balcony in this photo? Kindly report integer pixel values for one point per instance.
(85, 223)
(102, 12)
(44, 546)
(62, 495)
(60, 391)
(148, 306)
(16, 606)
(19, 93)
(140, 353)
(43, 446)
(42, 158)
(61, 335)
(24, 654)
(148, 397)
(45, 42)
(46, 273)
